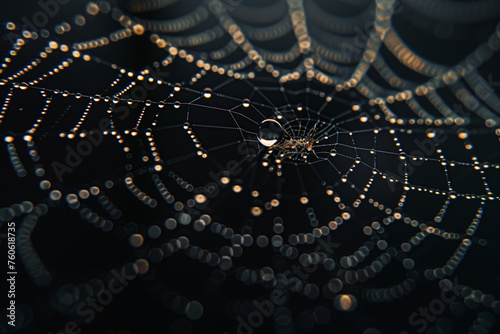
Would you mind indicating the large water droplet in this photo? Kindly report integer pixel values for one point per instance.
(270, 132)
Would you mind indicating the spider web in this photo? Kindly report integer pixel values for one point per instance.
(142, 120)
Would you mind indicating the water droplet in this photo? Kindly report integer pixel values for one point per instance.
(345, 303)
(246, 103)
(193, 310)
(333, 152)
(177, 105)
(148, 103)
(177, 87)
(207, 93)
(299, 107)
(402, 156)
(161, 104)
(270, 132)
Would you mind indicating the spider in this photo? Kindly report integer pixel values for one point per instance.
(300, 146)
(274, 137)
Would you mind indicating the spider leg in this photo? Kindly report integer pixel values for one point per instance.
(314, 152)
(313, 133)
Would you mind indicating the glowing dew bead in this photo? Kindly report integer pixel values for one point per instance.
(207, 93)
(270, 132)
